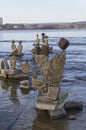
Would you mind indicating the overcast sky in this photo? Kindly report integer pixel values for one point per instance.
(42, 11)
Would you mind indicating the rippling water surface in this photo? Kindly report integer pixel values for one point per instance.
(17, 107)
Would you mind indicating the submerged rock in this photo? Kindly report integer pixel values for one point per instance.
(57, 113)
(73, 105)
(71, 117)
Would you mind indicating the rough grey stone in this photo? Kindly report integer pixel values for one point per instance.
(73, 105)
(57, 113)
(38, 83)
(62, 99)
(44, 103)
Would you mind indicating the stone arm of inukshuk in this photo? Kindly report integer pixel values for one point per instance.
(52, 70)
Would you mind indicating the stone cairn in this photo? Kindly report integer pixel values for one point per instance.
(11, 71)
(50, 96)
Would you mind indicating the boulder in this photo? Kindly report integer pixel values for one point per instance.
(63, 43)
(57, 113)
(73, 105)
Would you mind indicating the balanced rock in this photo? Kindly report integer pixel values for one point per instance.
(63, 43)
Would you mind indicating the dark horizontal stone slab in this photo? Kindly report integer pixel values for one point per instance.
(73, 105)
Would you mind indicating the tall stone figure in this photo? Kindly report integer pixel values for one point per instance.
(13, 48)
(25, 67)
(45, 48)
(36, 49)
(20, 47)
(51, 97)
(12, 61)
(37, 39)
(43, 36)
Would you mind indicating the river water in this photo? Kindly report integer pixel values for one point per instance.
(17, 107)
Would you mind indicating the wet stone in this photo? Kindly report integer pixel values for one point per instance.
(73, 105)
(24, 82)
(44, 103)
(72, 117)
(57, 113)
(62, 99)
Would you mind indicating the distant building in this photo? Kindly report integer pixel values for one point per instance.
(1, 21)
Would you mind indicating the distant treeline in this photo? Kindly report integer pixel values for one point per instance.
(73, 25)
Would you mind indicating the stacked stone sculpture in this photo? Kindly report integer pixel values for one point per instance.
(50, 96)
(10, 71)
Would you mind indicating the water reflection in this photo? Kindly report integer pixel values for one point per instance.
(25, 91)
(43, 122)
(13, 88)
(13, 94)
(4, 85)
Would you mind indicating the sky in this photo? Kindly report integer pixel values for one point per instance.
(42, 11)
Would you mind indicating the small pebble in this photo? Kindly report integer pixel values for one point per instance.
(71, 117)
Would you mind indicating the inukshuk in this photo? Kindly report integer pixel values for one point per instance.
(51, 97)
